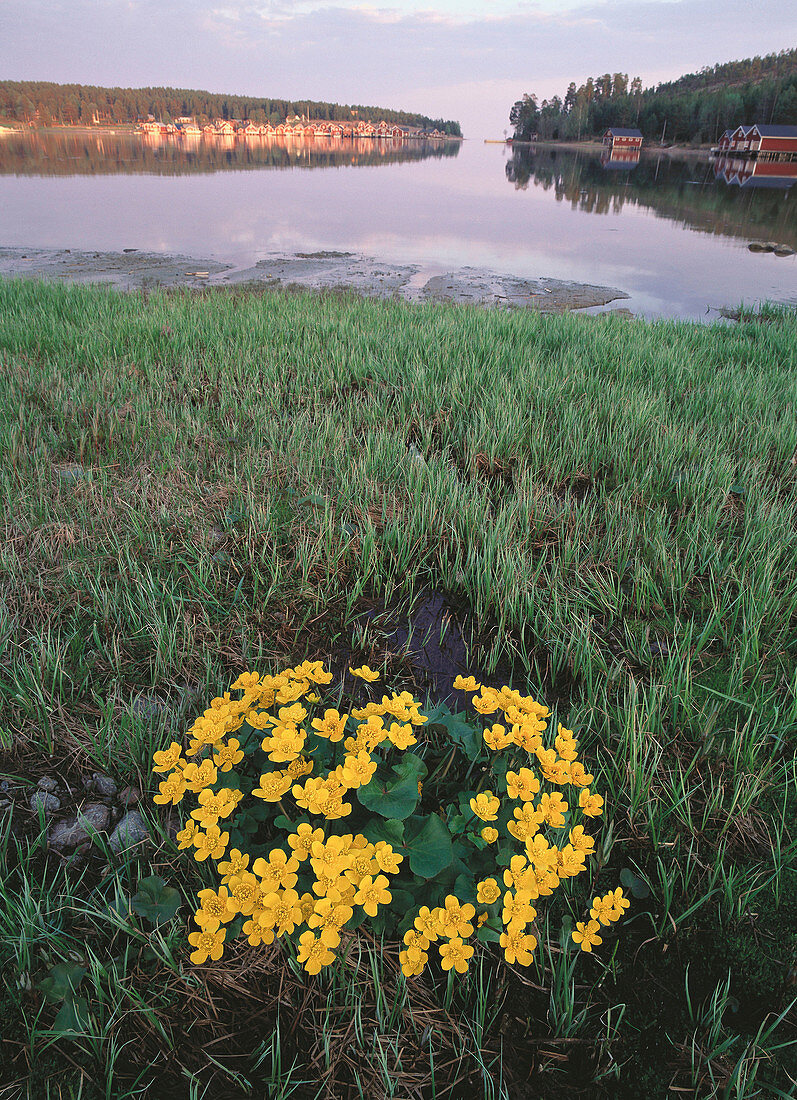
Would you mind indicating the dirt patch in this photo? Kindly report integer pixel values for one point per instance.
(324, 270)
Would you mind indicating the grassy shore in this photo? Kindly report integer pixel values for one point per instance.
(195, 485)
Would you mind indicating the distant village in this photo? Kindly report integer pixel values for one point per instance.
(296, 128)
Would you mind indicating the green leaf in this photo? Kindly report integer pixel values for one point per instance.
(62, 981)
(430, 849)
(155, 901)
(638, 887)
(490, 931)
(72, 1018)
(391, 830)
(396, 798)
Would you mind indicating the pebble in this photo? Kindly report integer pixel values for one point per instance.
(49, 802)
(47, 783)
(104, 785)
(72, 831)
(130, 796)
(132, 829)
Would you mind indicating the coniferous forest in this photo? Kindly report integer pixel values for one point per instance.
(695, 109)
(42, 103)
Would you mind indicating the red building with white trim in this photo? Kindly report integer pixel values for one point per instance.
(617, 137)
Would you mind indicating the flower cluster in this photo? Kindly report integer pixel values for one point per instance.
(317, 769)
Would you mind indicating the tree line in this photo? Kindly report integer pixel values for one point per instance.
(42, 103)
(696, 108)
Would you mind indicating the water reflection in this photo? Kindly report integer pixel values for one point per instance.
(730, 198)
(69, 154)
(749, 173)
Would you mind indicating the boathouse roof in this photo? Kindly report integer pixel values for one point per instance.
(619, 131)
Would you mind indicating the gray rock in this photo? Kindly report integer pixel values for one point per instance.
(104, 785)
(72, 473)
(74, 831)
(47, 783)
(132, 829)
(49, 802)
(5, 788)
(130, 796)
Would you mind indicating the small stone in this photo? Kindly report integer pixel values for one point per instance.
(104, 785)
(130, 796)
(74, 831)
(5, 788)
(132, 829)
(49, 802)
(71, 473)
(47, 783)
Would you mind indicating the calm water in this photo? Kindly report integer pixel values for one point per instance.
(671, 233)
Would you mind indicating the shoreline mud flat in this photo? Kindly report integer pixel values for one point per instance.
(325, 270)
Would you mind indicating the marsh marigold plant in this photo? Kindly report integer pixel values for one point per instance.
(439, 829)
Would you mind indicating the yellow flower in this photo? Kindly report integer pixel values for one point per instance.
(413, 961)
(365, 673)
(171, 789)
(329, 915)
(486, 806)
(166, 759)
(235, 864)
(357, 770)
(553, 809)
(455, 954)
(185, 837)
(227, 756)
(487, 891)
(569, 862)
(518, 945)
(206, 945)
(373, 892)
(466, 683)
(579, 777)
(518, 908)
(586, 934)
(273, 785)
(281, 910)
(523, 784)
(486, 703)
(302, 840)
(456, 918)
(313, 952)
(401, 736)
(214, 909)
(581, 841)
(591, 804)
(496, 737)
(299, 767)
(428, 923)
(312, 795)
(620, 904)
(284, 745)
(489, 834)
(199, 776)
(387, 859)
(330, 857)
(210, 843)
(245, 893)
(332, 726)
(602, 907)
(279, 871)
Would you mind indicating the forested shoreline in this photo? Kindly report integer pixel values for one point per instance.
(43, 103)
(695, 109)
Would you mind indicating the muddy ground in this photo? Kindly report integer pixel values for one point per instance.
(132, 269)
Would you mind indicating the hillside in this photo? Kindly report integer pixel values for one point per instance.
(43, 103)
(695, 108)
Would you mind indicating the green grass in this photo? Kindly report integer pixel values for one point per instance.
(611, 507)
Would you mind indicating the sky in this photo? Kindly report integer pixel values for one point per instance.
(462, 59)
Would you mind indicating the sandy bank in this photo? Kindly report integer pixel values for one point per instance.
(132, 269)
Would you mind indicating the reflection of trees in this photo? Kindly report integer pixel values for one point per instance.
(680, 190)
(59, 154)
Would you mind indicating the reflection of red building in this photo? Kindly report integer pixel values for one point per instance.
(617, 138)
(748, 172)
(620, 158)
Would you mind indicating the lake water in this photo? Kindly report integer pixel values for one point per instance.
(673, 234)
